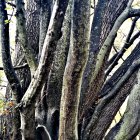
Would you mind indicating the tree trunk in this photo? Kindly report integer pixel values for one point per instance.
(41, 105)
(62, 68)
(90, 80)
(28, 123)
(45, 15)
(42, 73)
(108, 112)
(131, 121)
(8, 67)
(72, 79)
(56, 77)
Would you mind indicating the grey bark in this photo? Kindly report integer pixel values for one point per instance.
(56, 77)
(78, 54)
(30, 97)
(112, 133)
(22, 36)
(130, 125)
(45, 15)
(107, 24)
(106, 13)
(135, 65)
(110, 109)
(50, 71)
(33, 24)
(126, 45)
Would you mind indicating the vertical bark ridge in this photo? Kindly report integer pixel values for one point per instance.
(42, 73)
(98, 74)
(72, 79)
(55, 81)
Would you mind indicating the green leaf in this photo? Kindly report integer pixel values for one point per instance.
(7, 21)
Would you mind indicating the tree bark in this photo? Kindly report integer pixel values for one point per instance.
(22, 36)
(92, 89)
(53, 67)
(130, 121)
(41, 105)
(72, 79)
(56, 77)
(106, 13)
(45, 15)
(31, 96)
(8, 67)
(104, 101)
(27, 117)
(110, 109)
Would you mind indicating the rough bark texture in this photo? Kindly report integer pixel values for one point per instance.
(22, 35)
(32, 35)
(105, 100)
(45, 15)
(94, 46)
(28, 123)
(72, 79)
(131, 121)
(108, 112)
(106, 13)
(42, 73)
(56, 76)
(6, 57)
(94, 77)
(33, 24)
(100, 99)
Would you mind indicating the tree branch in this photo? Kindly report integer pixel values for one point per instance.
(57, 72)
(11, 4)
(112, 133)
(21, 27)
(6, 57)
(17, 67)
(127, 44)
(131, 122)
(48, 52)
(41, 75)
(131, 29)
(104, 100)
(107, 44)
(74, 69)
(45, 15)
(110, 109)
(134, 12)
(111, 60)
(127, 40)
(98, 73)
(110, 83)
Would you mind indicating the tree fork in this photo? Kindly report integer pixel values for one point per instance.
(42, 73)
